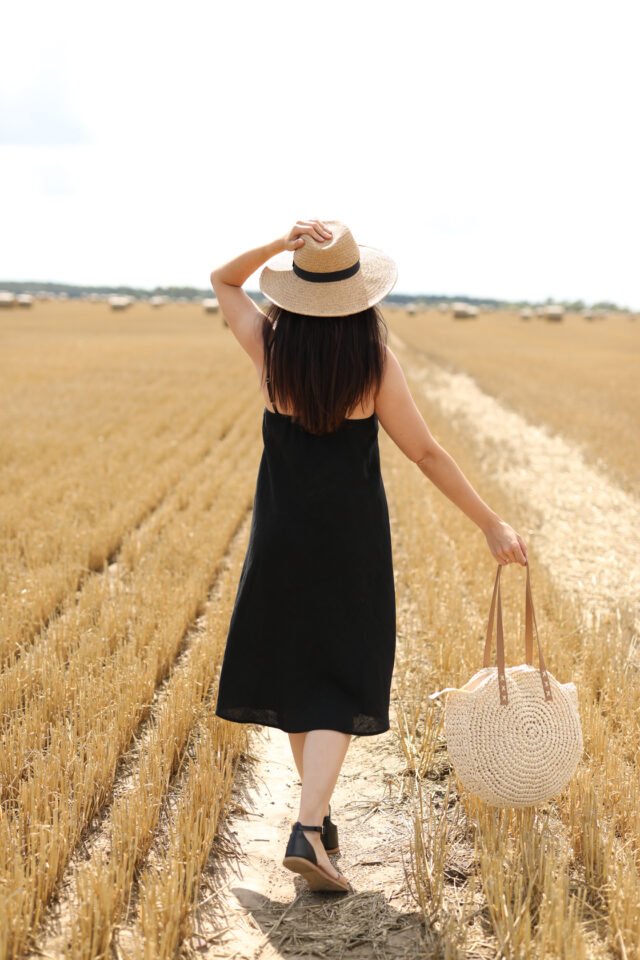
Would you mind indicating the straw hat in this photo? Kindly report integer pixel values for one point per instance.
(329, 278)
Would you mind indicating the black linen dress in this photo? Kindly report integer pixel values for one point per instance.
(311, 640)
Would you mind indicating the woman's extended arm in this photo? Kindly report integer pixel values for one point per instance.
(400, 417)
(239, 310)
(505, 544)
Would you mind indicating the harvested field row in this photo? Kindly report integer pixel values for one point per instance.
(89, 454)
(575, 379)
(170, 790)
(106, 621)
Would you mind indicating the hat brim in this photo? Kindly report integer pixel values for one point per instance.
(374, 280)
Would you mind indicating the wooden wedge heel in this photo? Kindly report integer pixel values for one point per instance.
(300, 857)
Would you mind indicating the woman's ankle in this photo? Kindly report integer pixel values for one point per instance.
(312, 816)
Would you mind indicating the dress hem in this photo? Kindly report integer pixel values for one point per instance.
(326, 726)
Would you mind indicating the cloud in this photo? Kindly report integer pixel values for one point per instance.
(40, 114)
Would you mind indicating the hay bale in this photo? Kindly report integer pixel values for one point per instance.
(7, 299)
(117, 302)
(553, 311)
(464, 311)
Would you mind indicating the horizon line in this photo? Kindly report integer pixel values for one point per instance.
(103, 288)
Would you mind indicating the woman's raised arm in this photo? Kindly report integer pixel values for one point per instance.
(239, 310)
(241, 313)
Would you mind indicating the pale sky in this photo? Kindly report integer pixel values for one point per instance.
(491, 148)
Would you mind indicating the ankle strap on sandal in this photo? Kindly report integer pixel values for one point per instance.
(301, 826)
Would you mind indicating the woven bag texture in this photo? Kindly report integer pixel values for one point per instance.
(515, 742)
(517, 754)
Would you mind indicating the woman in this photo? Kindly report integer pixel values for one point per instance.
(311, 640)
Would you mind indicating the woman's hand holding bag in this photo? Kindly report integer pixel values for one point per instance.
(513, 734)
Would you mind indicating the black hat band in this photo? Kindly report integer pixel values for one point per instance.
(326, 277)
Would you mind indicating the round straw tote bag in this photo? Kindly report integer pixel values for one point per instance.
(514, 735)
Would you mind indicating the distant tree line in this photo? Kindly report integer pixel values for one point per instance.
(75, 291)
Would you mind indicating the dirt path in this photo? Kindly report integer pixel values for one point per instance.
(586, 529)
(261, 910)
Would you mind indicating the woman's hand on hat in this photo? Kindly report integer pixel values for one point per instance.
(505, 544)
(314, 228)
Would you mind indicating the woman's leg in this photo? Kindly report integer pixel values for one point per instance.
(297, 748)
(322, 756)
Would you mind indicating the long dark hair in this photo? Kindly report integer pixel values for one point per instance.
(321, 367)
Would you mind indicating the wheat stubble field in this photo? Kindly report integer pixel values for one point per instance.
(134, 823)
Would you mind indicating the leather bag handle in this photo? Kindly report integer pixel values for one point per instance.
(530, 623)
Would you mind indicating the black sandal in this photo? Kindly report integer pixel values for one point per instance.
(300, 857)
(330, 834)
